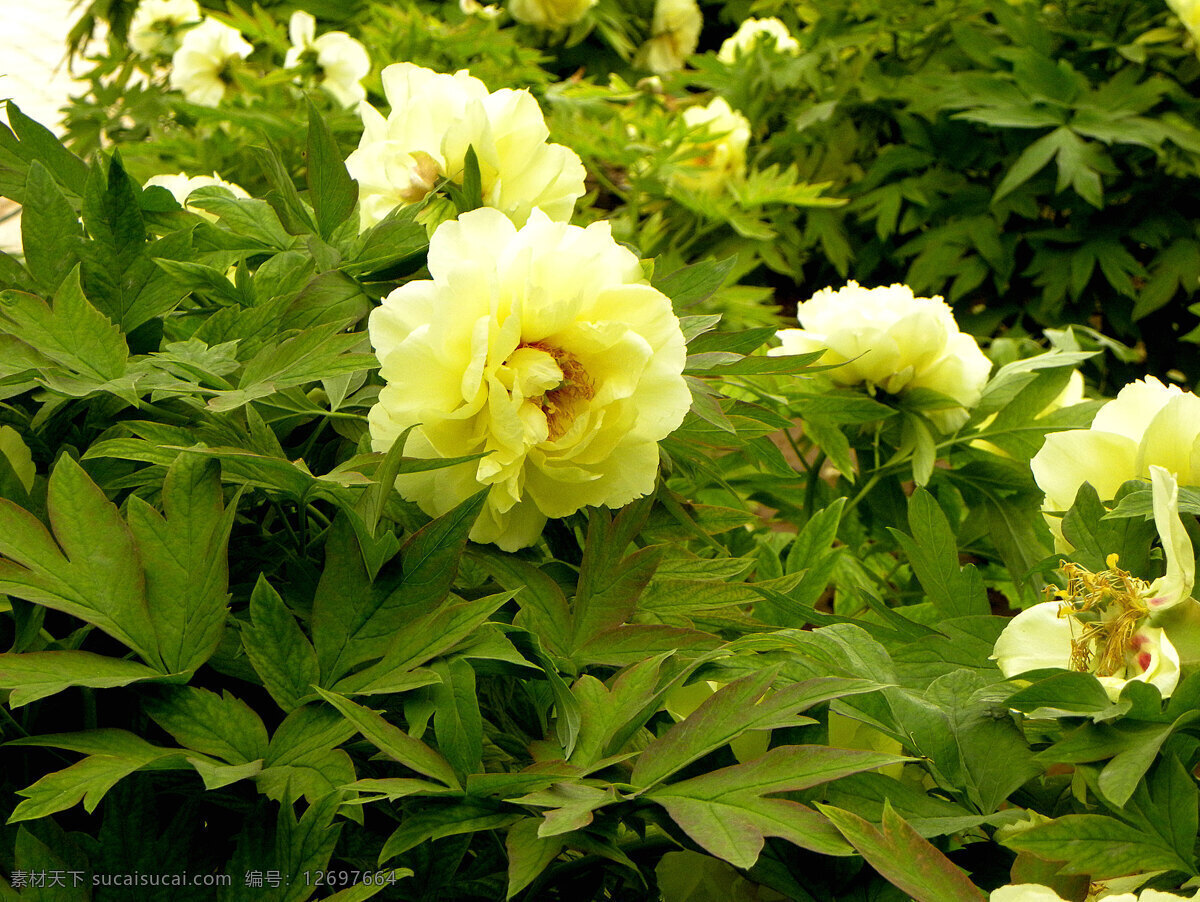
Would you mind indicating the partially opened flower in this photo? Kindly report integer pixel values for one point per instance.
(340, 62)
(717, 155)
(768, 32)
(200, 67)
(549, 13)
(434, 120)
(1105, 623)
(543, 348)
(674, 34)
(156, 24)
(888, 339)
(1148, 423)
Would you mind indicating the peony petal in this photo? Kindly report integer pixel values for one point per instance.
(1034, 639)
(1176, 584)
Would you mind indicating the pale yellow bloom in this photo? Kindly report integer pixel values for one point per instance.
(887, 338)
(433, 120)
(549, 13)
(199, 67)
(769, 32)
(1188, 12)
(712, 162)
(1035, 892)
(475, 8)
(1148, 423)
(544, 348)
(182, 185)
(154, 25)
(341, 60)
(1105, 623)
(674, 34)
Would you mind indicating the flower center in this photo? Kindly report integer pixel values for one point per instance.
(554, 381)
(1110, 608)
(423, 174)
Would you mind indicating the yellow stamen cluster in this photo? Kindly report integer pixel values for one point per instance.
(1115, 599)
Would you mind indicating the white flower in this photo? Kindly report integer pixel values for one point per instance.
(713, 161)
(434, 119)
(549, 13)
(182, 185)
(1035, 892)
(1148, 423)
(888, 338)
(769, 32)
(475, 8)
(200, 65)
(1102, 623)
(674, 34)
(1025, 892)
(155, 22)
(341, 60)
(543, 347)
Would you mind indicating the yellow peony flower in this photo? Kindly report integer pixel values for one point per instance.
(1147, 424)
(674, 34)
(341, 61)
(543, 347)
(888, 338)
(715, 161)
(770, 32)
(434, 119)
(549, 13)
(154, 25)
(200, 66)
(1108, 623)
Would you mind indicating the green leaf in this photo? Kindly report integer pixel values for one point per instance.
(354, 626)
(37, 674)
(277, 648)
(695, 283)
(87, 780)
(906, 860)
(393, 741)
(51, 237)
(283, 198)
(726, 811)
(186, 558)
(222, 726)
(40, 144)
(457, 722)
(97, 576)
(1031, 161)
(332, 191)
(1100, 847)
(610, 582)
(472, 182)
(742, 705)
(528, 853)
(933, 552)
(436, 821)
(72, 332)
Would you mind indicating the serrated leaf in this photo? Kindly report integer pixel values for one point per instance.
(51, 236)
(332, 191)
(906, 860)
(933, 552)
(97, 574)
(393, 741)
(222, 726)
(277, 648)
(37, 674)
